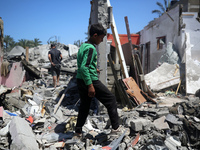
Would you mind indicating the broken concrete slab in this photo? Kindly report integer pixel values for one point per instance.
(22, 135)
(173, 119)
(4, 131)
(31, 68)
(169, 101)
(172, 143)
(13, 100)
(161, 124)
(163, 77)
(73, 49)
(16, 51)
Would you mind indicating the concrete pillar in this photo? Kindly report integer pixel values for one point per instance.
(99, 14)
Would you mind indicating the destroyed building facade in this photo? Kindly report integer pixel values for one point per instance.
(181, 28)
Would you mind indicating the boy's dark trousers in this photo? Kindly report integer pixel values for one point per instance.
(103, 95)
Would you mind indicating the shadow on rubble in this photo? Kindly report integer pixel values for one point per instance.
(71, 95)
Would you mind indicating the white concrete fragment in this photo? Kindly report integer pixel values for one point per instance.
(160, 123)
(22, 135)
(165, 84)
(58, 115)
(3, 89)
(163, 77)
(88, 125)
(4, 131)
(37, 98)
(172, 143)
(73, 49)
(33, 108)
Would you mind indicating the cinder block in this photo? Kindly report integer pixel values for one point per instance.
(139, 124)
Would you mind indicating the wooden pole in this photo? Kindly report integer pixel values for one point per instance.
(27, 54)
(118, 45)
(132, 50)
(178, 87)
(59, 102)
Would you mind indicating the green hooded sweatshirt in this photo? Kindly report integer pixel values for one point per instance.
(87, 63)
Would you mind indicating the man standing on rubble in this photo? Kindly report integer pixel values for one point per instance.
(89, 85)
(55, 57)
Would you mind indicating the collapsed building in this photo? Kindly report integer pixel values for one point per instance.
(174, 36)
(159, 114)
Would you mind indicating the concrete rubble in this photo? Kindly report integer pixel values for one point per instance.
(165, 76)
(28, 120)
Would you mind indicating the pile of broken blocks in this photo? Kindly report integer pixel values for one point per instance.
(28, 121)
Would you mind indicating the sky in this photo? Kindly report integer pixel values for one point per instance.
(68, 20)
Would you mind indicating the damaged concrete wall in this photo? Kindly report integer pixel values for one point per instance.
(183, 33)
(99, 14)
(192, 49)
(192, 68)
(15, 77)
(174, 31)
(161, 27)
(193, 27)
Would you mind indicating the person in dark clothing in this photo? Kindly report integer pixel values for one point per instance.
(55, 57)
(89, 86)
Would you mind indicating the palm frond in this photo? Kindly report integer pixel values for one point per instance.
(157, 11)
(161, 6)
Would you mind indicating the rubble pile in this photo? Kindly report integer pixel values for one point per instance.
(28, 119)
(28, 115)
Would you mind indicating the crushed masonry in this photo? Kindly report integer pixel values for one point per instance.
(27, 114)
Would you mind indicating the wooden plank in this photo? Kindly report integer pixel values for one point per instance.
(122, 93)
(118, 45)
(133, 90)
(134, 64)
(144, 86)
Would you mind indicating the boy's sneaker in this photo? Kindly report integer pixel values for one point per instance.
(120, 131)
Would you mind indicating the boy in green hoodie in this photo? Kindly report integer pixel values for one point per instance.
(88, 83)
